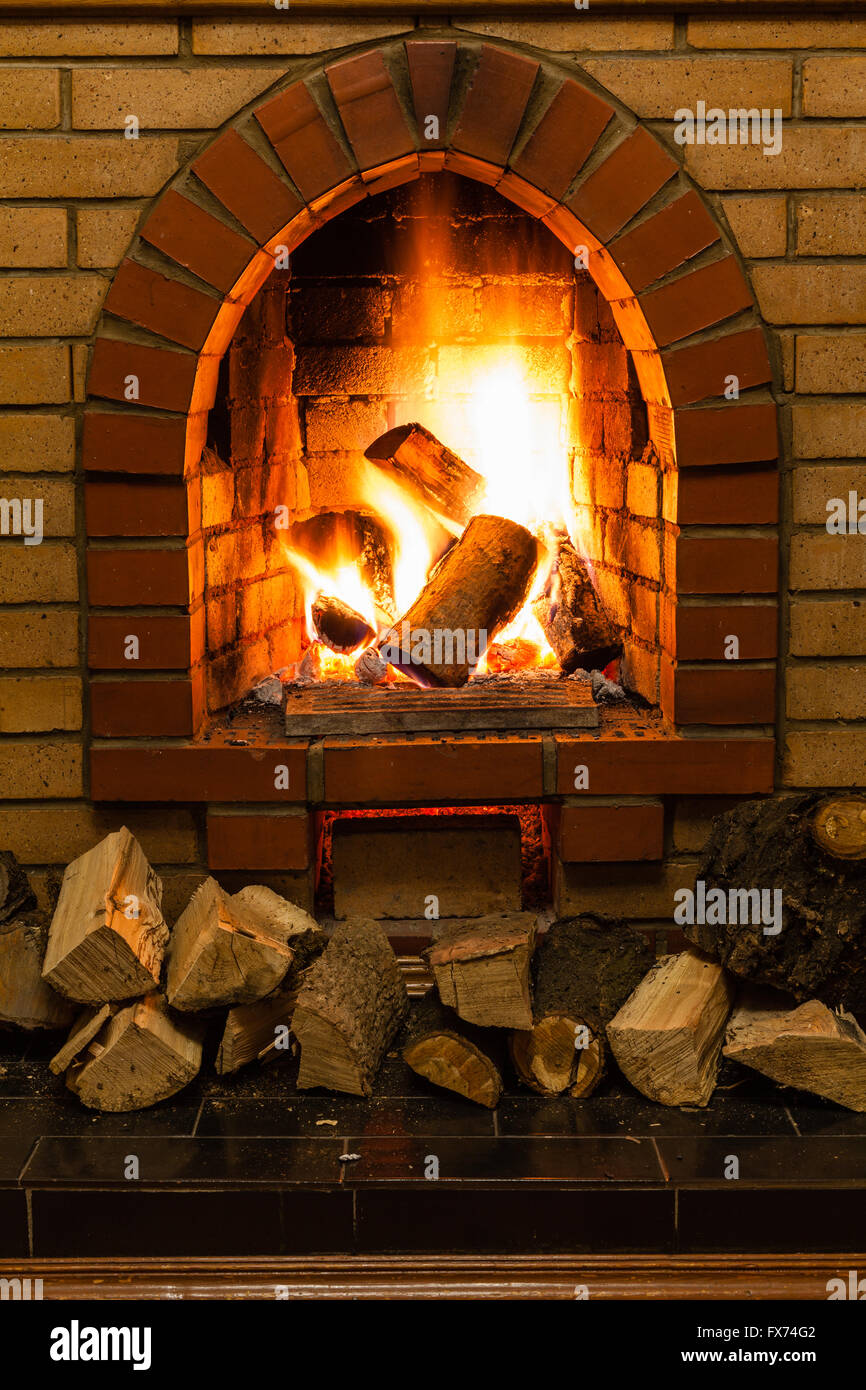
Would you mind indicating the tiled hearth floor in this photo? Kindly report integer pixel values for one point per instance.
(243, 1166)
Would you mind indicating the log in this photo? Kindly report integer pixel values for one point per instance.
(838, 826)
(429, 471)
(668, 1035)
(784, 851)
(572, 617)
(142, 1055)
(583, 971)
(807, 1047)
(107, 936)
(476, 589)
(26, 1001)
(232, 949)
(452, 1054)
(481, 969)
(351, 1003)
(16, 895)
(84, 1030)
(338, 626)
(251, 1030)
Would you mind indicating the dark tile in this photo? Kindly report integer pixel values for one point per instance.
(814, 1116)
(512, 1160)
(14, 1153)
(327, 1117)
(462, 1220)
(622, 1114)
(790, 1161)
(767, 1219)
(63, 1114)
(274, 1162)
(13, 1223)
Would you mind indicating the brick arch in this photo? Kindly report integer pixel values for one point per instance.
(567, 155)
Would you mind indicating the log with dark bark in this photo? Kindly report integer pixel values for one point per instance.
(430, 472)
(772, 846)
(350, 1006)
(805, 1046)
(453, 1054)
(26, 1001)
(141, 1055)
(338, 626)
(838, 827)
(479, 586)
(107, 936)
(572, 617)
(583, 971)
(668, 1035)
(16, 895)
(481, 969)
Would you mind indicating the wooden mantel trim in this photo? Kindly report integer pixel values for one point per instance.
(411, 9)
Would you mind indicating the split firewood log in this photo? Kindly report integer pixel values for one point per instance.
(474, 591)
(142, 1054)
(231, 949)
(481, 969)
(26, 1001)
(453, 1054)
(84, 1030)
(253, 1030)
(16, 895)
(429, 471)
(806, 1046)
(668, 1035)
(790, 911)
(351, 1003)
(107, 936)
(583, 971)
(338, 626)
(572, 617)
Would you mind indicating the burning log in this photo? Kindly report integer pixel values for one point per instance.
(141, 1055)
(370, 668)
(452, 1054)
(351, 1003)
(571, 615)
(338, 626)
(481, 969)
(808, 1047)
(668, 1035)
(476, 589)
(425, 468)
(584, 970)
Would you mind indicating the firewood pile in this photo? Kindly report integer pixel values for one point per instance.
(779, 990)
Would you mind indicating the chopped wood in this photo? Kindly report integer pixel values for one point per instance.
(84, 1030)
(350, 1006)
(481, 969)
(143, 1055)
(583, 971)
(26, 1001)
(452, 1054)
(338, 626)
(234, 949)
(572, 617)
(16, 895)
(808, 1046)
(370, 668)
(251, 1030)
(475, 590)
(430, 472)
(668, 1035)
(839, 826)
(107, 936)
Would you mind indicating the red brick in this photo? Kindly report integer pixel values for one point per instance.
(622, 185)
(247, 186)
(172, 310)
(732, 694)
(187, 234)
(431, 68)
(166, 379)
(700, 634)
(371, 114)
(126, 443)
(525, 195)
(701, 371)
(736, 433)
(664, 241)
(563, 139)
(394, 772)
(606, 834)
(723, 565)
(253, 842)
(305, 145)
(663, 766)
(138, 708)
(495, 105)
(143, 508)
(158, 578)
(695, 301)
(167, 642)
(722, 497)
(196, 773)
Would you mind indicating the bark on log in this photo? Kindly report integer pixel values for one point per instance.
(479, 586)
(142, 1055)
(572, 617)
(820, 952)
(338, 626)
(481, 969)
(668, 1035)
(807, 1047)
(16, 895)
(252, 1030)
(429, 471)
(234, 949)
(26, 1001)
(107, 935)
(452, 1054)
(583, 971)
(350, 1005)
